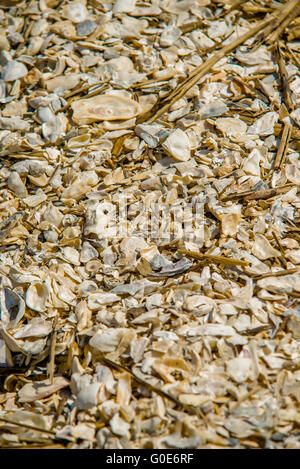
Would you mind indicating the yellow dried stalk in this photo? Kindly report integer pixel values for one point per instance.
(52, 352)
(279, 273)
(210, 257)
(282, 149)
(256, 195)
(287, 92)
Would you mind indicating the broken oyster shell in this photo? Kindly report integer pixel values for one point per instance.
(105, 107)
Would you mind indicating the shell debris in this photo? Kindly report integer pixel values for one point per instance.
(149, 224)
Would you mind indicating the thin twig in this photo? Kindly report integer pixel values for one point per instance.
(297, 62)
(282, 258)
(256, 195)
(282, 149)
(25, 425)
(83, 88)
(287, 92)
(51, 364)
(212, 258)
(279, 273)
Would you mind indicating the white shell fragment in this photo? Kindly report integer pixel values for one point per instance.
(105, 107)
(265, 124)
(178, 145)
(262, 248)
(231, 126)
(239, 369)
(32, 391)
(36, 297)
(13, 70)
(16, 185)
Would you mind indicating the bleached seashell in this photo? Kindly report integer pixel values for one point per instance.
(52, 130)
(239, 369)
(40, 27)
(284, 284)
(238, 427)
(119, 426)
(75, 11)
(218, 29)
(71, 255)
(293, 173)
(67, 82)
(19, 275)
(35, 45)
(36, 199)
(80, 186)
(199, 304)
(260, 56)
(79, 381)
(88, 252)
(53, 215)
(231, 126)
(14, 123)
(37, 327)
(88, 396)
(213, 109)
(32, 418)
(178, 145)
(34, 347)
(104, 107)
(13, 70)
(5, 355)
(251, 164)
(124, 6)
(265, 124)
(262, 248)
(16, 185)
(97, 300)
(177, 441)
(230, 223)
(31, 392)
(108, 340)
(218, 330)
(169, 35)
(201, 40)
(36, 296)
(45, 114)
(12, 307)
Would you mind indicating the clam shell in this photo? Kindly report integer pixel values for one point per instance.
(106, 107)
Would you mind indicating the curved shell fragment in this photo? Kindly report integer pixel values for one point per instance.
(36, 297)
(12, 307)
